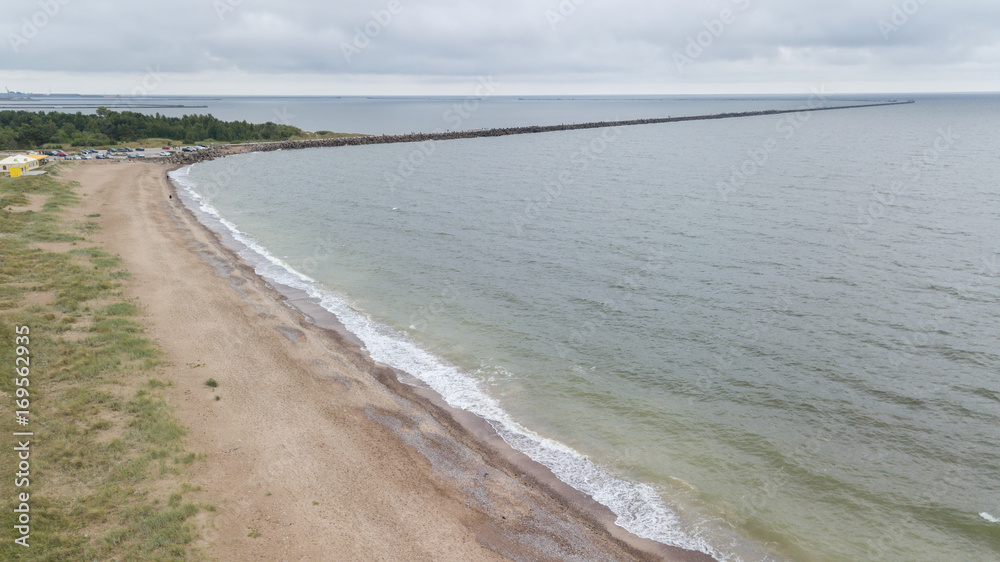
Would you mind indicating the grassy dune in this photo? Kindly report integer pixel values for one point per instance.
(108, 461)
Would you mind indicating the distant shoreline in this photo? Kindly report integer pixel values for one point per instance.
(61, 106)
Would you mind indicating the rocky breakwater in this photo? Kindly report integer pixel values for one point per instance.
(225, 150)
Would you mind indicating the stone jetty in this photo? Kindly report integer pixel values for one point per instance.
(225, 150)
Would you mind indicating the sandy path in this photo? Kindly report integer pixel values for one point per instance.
(312, 445)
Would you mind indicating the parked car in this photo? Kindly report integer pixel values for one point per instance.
(166, 153)
(103, 157)
(141, 149)
(166, 148)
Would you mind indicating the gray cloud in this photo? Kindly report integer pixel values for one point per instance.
(631, 41)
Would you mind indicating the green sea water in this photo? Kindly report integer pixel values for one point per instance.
(765, 338)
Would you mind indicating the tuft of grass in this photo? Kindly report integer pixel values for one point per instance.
(100, 425)
(254, 533)
(186, 459)
(211, 383)
(120, 309)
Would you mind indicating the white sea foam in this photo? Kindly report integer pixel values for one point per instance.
(639, 507)
(989, 517)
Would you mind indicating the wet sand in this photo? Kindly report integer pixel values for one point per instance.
(327, 455)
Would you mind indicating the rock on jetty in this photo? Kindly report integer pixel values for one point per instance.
(225, 150)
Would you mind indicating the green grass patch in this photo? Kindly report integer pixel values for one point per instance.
(88, 227)
(108, 445)
(120, 309)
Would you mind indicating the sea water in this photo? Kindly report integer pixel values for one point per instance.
(773, 337)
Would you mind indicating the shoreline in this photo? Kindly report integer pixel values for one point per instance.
(408, 386)
(515, 500)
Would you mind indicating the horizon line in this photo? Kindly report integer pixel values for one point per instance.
(510, 95)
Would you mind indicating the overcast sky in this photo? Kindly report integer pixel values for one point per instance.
(400, 47)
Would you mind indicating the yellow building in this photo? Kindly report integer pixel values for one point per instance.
(19, 164)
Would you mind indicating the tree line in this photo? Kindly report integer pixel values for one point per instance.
(28, 129)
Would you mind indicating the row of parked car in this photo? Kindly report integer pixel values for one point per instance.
(128, 152)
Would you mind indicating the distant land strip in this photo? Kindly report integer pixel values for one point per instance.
(191, 157)
(27, 106)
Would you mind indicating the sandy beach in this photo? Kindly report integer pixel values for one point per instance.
(323, 453)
